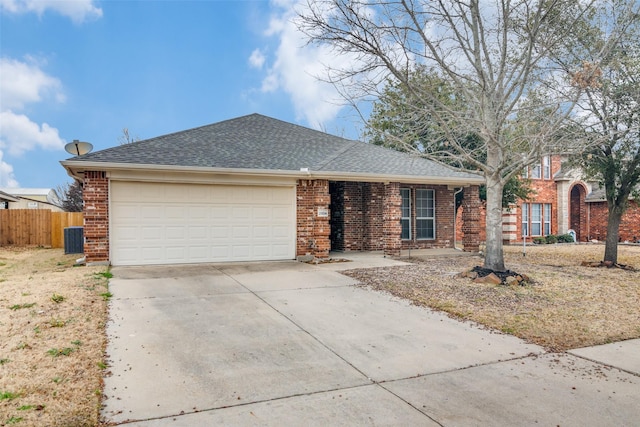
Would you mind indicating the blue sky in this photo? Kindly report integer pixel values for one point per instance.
(86, 69)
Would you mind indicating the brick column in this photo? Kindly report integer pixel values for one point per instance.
(313, 228)
(95, 194)
(471, 212)
(391, 216)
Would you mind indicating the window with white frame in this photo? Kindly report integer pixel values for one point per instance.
(546, 167)
(547, 219)
(425, 214)
(405, 220)
(536, 219)
(535, 171)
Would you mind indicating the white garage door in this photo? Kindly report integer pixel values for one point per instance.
(158, 223)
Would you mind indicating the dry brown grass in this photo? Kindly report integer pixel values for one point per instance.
(568, 306)
(51, 353)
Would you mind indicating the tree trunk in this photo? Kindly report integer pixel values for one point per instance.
(494, 255)
(613, 227)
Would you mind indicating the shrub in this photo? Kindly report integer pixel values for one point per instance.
(539, 240)
(565, 238)
(552, 239)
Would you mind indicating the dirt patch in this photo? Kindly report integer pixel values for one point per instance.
(565, 306)
(52, 317)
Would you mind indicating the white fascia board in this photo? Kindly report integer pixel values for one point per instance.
(406, 179)
(120, 170)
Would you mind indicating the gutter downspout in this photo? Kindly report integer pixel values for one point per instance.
(455, 214)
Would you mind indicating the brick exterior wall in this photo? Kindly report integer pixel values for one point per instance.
(375, 216)
(312, 230)
(445, 206)
(483, 222)
(545, 192)
(629, 226)
(95, 194)
(471, 219)
(371, 213)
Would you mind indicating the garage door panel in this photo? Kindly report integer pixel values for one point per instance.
(155, 223)
(175, 233)
(126, 211)
(175, 253)
(240, 232)
(261, 232)
(261, 250)
(280, 250)
(220, 253)
(280, 232)
(262, 213)
(151, 212)
(241, 212)
(219, 232)
(199, 213)
(197, 233)
(280, 213)
(199, 253)
(241, 252)
(153, 254)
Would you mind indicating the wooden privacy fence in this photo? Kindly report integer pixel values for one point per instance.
(36, 227)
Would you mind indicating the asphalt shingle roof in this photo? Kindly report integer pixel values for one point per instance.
(259, 142)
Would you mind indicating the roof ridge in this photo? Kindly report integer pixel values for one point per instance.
(337, 154)
(197, 128)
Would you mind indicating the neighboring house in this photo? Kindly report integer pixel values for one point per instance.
(564, 201)
(5, 198)
(33, 198)
(257, 188)
(598, 213)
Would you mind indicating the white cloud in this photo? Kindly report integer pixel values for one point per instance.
(295, 68)
(20, 134)
(7, 178)
(77, 10)
(24, 83)
(257, 58)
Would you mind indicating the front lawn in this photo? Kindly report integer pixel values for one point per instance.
(568, 305)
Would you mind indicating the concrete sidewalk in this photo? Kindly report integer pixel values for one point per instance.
(286, 343)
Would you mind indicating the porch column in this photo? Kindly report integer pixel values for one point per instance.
(471, 219)
(95, 194)
(391, 216)
(313, 215)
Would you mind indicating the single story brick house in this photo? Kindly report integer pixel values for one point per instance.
(257, 188)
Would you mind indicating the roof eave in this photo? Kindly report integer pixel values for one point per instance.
(76, 168)
(407, 179)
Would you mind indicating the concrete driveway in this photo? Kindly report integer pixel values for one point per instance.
(286, 343)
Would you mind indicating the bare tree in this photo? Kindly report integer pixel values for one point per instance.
(70, 196)
(495, 56)
(611, 101)
(126, 138)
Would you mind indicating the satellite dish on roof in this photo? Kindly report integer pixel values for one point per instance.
(78, 148)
